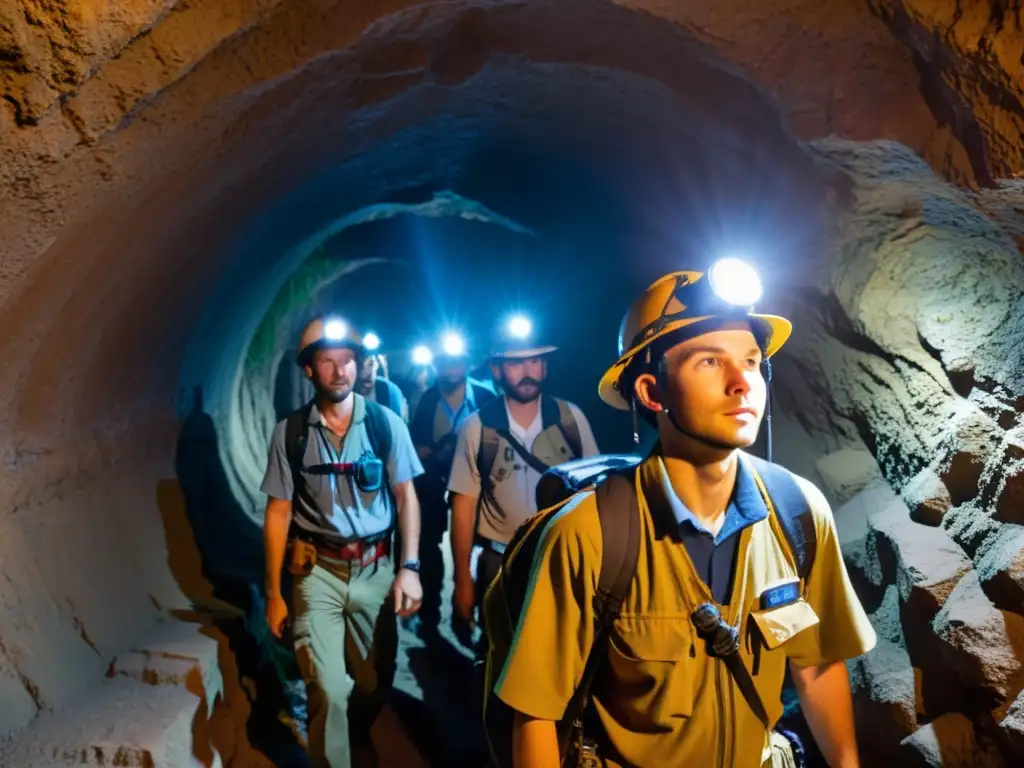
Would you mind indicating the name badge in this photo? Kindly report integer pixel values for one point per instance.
(781, 594)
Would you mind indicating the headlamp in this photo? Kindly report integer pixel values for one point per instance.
(421, 355)
(520, 327)
(372, 342)
(735, 282)
(334, 330)
(453, 345)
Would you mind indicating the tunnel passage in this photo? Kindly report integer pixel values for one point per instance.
(168, 175)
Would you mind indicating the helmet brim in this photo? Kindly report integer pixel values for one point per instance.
(523, 354)
(608, 389)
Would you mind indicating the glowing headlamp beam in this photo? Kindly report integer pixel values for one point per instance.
(421, 355)
(520, 327)
(372, 342)
(735, 282)
(453, 345)
(334, 330)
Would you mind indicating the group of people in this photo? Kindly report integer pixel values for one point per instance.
(713, 597)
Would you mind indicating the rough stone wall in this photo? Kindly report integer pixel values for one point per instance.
(138, 138)
(84, 567)
(910, 358)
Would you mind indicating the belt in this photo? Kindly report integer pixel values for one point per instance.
(364, 550)
(494, 546)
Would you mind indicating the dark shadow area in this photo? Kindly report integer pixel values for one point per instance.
(230, 544)
(262, 683)
(445, 724)
(216, 555)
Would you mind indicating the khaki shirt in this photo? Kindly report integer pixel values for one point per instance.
(515, 490)
(660, 699)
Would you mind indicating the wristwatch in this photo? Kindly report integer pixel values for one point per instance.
(411, 565)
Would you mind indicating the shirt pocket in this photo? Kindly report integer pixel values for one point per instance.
(780, 625)
(652, 672)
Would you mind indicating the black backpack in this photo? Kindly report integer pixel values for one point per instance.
(613, 477)
(423, 419)
(435, 479)
(378, 430)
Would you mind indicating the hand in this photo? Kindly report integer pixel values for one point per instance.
(408, 592)
(277, 615)
(463, 599)
(462, 611)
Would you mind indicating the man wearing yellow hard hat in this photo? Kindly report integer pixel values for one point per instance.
(654, 619)
(339, 477)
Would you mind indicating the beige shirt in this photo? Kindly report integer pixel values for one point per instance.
(515, 495)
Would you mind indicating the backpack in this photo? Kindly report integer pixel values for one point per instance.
(378, 431)
(422, 430)
(423, 420)
(494, 427)
(389, 395)
(618, 513)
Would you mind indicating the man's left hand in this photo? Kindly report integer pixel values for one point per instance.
(408, 592)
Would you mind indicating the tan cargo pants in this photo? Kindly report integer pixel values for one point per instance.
(346, 640)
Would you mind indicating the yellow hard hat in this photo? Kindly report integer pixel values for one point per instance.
(727, 291)
(328, 333)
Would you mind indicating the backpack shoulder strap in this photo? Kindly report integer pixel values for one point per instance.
(619, 514)
(570, 428)
(295, 436)
(792, 511)
(383, 393)
(493, 419)
(422, 427)
(379, 431)
(482, 395)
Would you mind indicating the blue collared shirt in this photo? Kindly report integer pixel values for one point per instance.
(714, 557)
(458, 415)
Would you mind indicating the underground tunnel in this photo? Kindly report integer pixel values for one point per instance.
(186, 184)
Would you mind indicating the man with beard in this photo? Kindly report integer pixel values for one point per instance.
(340, 471)
(502, 451)
(735, 575)
(441, 412)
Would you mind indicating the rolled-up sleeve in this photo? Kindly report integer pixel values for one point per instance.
(278, 482)
(555, 630)
(843, 630)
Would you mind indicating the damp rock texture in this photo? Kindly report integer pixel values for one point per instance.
(176, 182)
(915, 336)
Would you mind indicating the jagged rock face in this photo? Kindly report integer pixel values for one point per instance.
(914, 350)
(969, 56)
(167, 168)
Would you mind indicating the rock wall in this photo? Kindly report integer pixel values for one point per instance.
(912, 362)
(165, 166)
